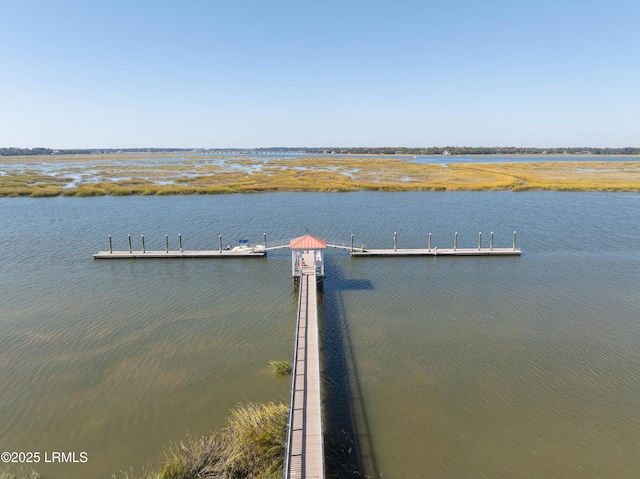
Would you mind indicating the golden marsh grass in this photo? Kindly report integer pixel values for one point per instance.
(95, 175)
(251, 446)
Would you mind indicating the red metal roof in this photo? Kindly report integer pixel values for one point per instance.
(307, 242)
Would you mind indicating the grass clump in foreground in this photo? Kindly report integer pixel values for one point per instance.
(281, 368)
(252, 446)
(29, 474)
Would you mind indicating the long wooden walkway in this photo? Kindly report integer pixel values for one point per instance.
(305, 445)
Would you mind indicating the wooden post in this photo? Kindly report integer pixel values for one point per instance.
(514, 240)
(351, 243)
(455, 241)
(129, 236)
(110, 245)
(479, 240)
(395, 241)
(265, 240)
(180, 238)
(144, 250)
(429, 249)
(491, 242)
(220, 243)
(166, 243)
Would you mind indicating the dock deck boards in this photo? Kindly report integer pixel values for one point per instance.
(438, 252)
(178, 254)
(306, 446)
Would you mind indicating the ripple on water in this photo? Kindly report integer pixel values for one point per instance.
(509, 367)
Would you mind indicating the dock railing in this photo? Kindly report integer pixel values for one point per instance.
(340, 244)
(296, 340)
(277, 244)
(284, 243)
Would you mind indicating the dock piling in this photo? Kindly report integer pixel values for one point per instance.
(479, 240)
(129, 236)
(265, 240)
(352, 243)
(166, 243)
(110, 245)
(395, 241)
(220, 243)
(455, 241)
(514, 240)
(180, 239)
(491, 242)
(144, 250)
(429, 246)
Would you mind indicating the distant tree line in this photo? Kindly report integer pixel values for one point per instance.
(433, 150)
(24, 151)
(471, 150)
(49, 151)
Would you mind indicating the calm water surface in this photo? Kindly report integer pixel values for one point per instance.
(457, 367)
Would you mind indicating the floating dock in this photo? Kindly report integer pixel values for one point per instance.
(438, 252)
(301, 247)
(244, 250)
(435, 251)
(178, 254)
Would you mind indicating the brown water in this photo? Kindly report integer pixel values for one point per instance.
(456, 367)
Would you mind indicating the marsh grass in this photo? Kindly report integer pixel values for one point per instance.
(251, 446)
(28, 474)
(112, 175)
(44, 191)
(281, 368)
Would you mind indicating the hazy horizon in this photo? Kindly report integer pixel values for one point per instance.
(329, 147)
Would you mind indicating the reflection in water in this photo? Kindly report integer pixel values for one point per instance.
(346, 424)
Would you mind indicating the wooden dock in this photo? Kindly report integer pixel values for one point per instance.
(304, 456)
(438, 252)
(305, 444)
(178, 254)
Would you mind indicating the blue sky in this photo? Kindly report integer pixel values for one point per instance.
(208, 73)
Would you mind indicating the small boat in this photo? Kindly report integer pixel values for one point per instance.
(245, 247)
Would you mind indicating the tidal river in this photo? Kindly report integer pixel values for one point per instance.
(514, 367)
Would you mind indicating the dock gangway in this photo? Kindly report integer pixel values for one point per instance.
(304, 456)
